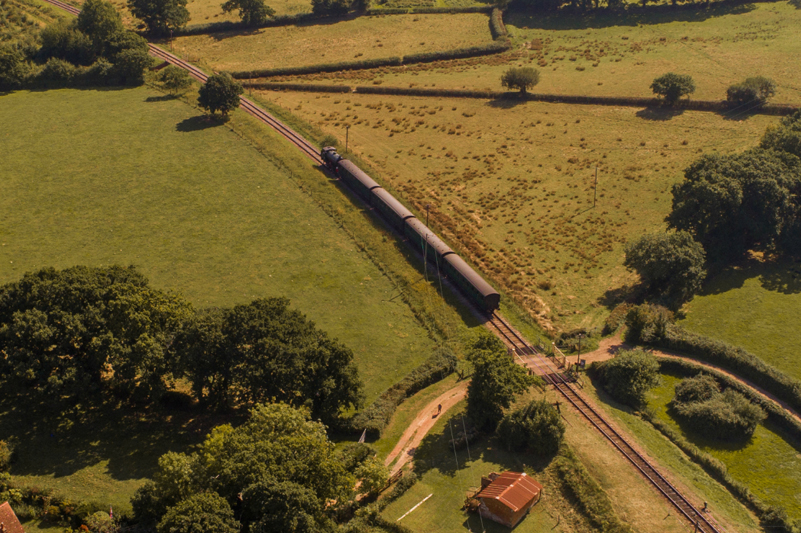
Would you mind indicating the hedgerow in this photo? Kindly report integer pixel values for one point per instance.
(302, 87)
(377, 11)
(457, 53)
(497, 27)
(769, 515)
(375, 417)
(314, 69)
(231, 26)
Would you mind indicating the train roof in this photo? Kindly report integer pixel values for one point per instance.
(470, 275)
(390, 201)
(427, 235)
(358, 174)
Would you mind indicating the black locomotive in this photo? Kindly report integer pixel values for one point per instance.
(458, 271)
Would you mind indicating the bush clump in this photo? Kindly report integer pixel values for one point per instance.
(537, 427)
(629, 376)
(726, 415)
(757, 91)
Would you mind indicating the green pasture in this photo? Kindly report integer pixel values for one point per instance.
(128, 177)
(331, 42)
(754, 305)
(510, 185)
(679, 469)
(449, 484)
(620, 54)
(769, 463)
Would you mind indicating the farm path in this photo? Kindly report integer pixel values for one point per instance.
(612, 345)
(422, 424)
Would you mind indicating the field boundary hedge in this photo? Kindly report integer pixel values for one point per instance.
(720, 106)
(377, 11)
(376, 417)
(497, 27)
(734, 359)
(395, 61)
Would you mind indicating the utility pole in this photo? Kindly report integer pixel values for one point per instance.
(427, 206)
(347, 134)
(595, 188)
(578, 359)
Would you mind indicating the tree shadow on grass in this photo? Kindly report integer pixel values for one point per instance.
(627, 293)
(163, 98)
(509, 101)
(198, 123)
(130, 440)
(659, 114)
(632, 16)
(782, 275)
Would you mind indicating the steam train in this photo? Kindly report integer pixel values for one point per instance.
(401, 219)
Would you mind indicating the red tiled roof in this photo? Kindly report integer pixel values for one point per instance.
(9, 519)
(513, 489)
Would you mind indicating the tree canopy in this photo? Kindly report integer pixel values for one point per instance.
(87, 331)
(263, 350)
(160, 16)
(630, 375)
(733, 203)
(330, 7)
(277, 471)
(752, 92)
(252, 12)
(785, 137)
(537, 427)
(220, 94)
(496, 380)
(201, 513)
(175, 79)
(671, 265)
(99, 21)
(522, 79)
(673, 86)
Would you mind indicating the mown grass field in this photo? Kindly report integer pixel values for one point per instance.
(679, 469)
(769, 463)
(754, 305)
(335, 41)
(130, 177)
(511, 185)
(621, 54)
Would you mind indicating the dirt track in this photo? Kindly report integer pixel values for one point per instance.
(422, 424)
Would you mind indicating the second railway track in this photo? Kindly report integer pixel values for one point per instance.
(527, 354)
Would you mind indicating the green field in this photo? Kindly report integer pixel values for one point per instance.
(344, 40)
(754, 305)
(102, 177)
(680, 470)
(769, 463)
(511, 186)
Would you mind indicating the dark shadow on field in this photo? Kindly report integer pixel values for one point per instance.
(632, 16)
(627, 293)
(659, 114)
(326, 21)
(778, 275)
(795, 3)
(436, 452)
(163, 98)
(131, 440)
(740, 113)
(197, 123)
(509, 102)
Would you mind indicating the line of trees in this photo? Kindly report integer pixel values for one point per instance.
(726, 206)
(92, 335)
(95, 48)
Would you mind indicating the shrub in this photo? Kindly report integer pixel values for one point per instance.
(100, 522)
(174, 79)
(6, 451)
(13, 66)
(536, 427)
(57, 72)
(629, 376)
(375, 417)
(673, 86)
(616, 318)
(520, 78)
(647, 322)
(671, 265)
(101, 71)
(757, 90)
(330, 7)
(130, 65)
(64, 41)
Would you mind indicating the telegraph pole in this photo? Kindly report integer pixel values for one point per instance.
(347, 134)
(595, 188)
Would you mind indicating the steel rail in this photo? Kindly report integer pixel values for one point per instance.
(553, 376)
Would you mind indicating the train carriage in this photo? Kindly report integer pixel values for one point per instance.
(426, 241)
(470, 282)
(392, 210)
(356, 179)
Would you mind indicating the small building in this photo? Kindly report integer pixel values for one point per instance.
(9, 523)
(506, 498)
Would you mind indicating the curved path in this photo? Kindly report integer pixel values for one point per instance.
(426, 418)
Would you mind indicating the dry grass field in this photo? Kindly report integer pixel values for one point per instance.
(511, 186)
(607, 56)
(344, 40)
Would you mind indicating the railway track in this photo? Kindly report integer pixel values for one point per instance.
(531, 357)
